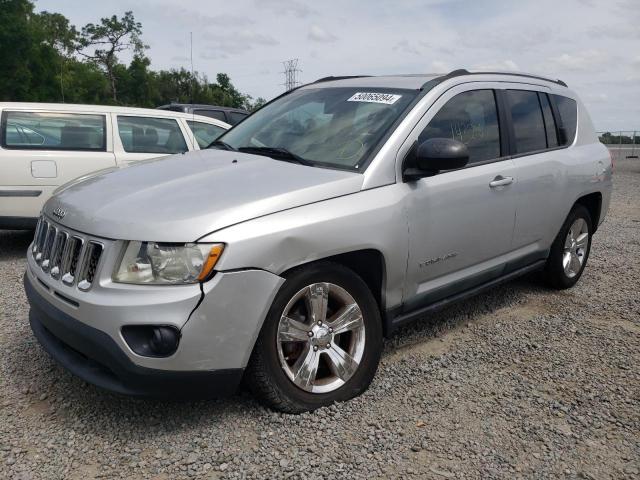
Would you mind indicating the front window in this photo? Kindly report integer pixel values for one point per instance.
(333, 127)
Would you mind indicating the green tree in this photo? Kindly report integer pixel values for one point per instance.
(108, 38)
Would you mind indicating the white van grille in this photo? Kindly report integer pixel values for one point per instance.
(66, 256)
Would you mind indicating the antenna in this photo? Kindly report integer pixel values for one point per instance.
(193, 79)
(291, 74)
(62, 77)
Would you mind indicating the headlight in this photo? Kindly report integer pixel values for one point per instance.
(167, 263)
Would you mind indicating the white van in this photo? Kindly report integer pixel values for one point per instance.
(43, 146)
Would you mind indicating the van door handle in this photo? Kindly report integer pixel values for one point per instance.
(500, 181)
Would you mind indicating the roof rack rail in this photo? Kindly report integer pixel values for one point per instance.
(462, 71)
(343, 77)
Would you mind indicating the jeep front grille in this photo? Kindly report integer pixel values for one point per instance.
(66, 256)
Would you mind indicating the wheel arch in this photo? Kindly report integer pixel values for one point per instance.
(368, 264)
(593, 203)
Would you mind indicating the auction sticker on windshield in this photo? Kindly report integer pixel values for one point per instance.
(373, 97)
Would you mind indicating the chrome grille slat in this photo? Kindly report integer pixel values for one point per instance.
(40, 241)
(66, 256)
(89, 266)
(56, 254)
(48, 246)
(70, 259)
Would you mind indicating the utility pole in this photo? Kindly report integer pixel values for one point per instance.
(291, 74)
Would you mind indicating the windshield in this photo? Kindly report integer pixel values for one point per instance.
(334, 127)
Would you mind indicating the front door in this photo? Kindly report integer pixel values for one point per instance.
(461, 221)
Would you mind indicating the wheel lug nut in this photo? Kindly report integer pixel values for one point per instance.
(330, 330)
(315, 348)
(328, 345)
(310, 333)
(320, 322)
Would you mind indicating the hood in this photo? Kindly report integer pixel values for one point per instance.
(182, 197)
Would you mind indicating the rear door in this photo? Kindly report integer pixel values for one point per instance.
(539, 157)
(45, 148)
(138, 137)
(461, 221)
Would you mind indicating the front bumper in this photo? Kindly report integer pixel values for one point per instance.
(95, 357)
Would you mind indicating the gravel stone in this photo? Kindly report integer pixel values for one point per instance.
(520, 382)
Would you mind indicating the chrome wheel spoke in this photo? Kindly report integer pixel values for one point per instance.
(317, 298)
(291, 330)
(575, 263)
(306, 368)
(566, 260)
(582, 240)
(341, 363)
(349, 318)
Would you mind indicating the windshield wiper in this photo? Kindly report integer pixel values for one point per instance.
(224, 145)
(278, 153)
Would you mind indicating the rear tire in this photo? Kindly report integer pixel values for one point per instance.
(570, 250)
(321, 313)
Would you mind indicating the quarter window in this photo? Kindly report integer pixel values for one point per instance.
(471, 118)
(568, 110)
(528, 125)
(205, 133)
(53, 131)
(151, 135)
(549, 122)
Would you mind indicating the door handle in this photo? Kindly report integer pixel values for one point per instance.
(500, 181)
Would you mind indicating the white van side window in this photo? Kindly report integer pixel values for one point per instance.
(53, 131)
(151, 135)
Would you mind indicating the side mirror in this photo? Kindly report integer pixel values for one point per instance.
(437, 154)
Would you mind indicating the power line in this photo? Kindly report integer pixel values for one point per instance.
(291, 71)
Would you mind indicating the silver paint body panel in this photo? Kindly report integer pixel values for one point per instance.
(274, 215)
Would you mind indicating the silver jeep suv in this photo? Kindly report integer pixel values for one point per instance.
(285, 252)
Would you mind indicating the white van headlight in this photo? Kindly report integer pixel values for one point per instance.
(154, 263)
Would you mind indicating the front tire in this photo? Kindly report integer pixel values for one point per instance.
(320, 343)
(570, 250)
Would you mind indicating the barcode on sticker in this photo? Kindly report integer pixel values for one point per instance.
(372, 97)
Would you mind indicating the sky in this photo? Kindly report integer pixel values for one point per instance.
(593, 45)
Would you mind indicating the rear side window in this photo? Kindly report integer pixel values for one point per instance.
(528, 125)
(235, 117)
(151, 135)
(471, 118)
(568, 110)
(217, 114)
(549, 121)
(205, 133)
(53, 131)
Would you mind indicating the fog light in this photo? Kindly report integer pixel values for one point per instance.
(152, 340)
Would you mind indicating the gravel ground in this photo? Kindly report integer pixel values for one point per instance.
(521, 382)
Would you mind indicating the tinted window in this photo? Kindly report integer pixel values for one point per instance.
(205, 133)
(471, 118)
(235, 117)
(528, 125)
(217, 114)
(549, 122)
(568, 110)
(53, 131)
(151, 135)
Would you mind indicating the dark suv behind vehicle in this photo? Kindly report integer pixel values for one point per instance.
(226, 114)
